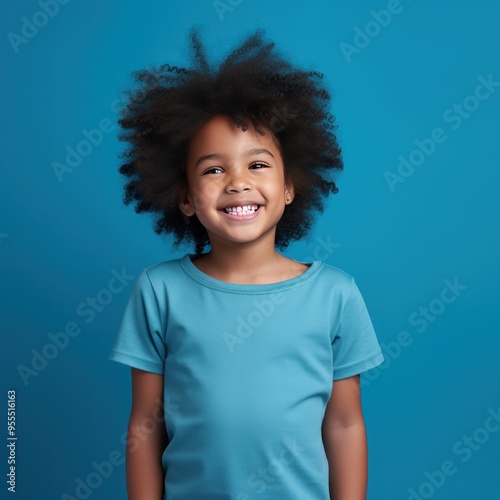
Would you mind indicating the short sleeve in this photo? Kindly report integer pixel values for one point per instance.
(139, 342)
(355, 347)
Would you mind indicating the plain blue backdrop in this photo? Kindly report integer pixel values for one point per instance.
(421, 239)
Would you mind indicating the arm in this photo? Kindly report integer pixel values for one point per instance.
(344, 438)
(147, 437)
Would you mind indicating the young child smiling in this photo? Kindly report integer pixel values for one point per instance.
(237, 191)
(245, 363)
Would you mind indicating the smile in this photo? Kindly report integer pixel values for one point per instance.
(243, 210)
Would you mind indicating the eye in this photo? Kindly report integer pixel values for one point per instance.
(258, 165)
(212, 170)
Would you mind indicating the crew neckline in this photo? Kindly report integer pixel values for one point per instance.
(208, 281)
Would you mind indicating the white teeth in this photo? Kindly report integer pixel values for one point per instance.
(243, 210)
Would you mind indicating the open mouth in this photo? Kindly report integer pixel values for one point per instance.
(241, 210)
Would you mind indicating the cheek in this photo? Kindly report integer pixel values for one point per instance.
(204, 196)
(275, 187)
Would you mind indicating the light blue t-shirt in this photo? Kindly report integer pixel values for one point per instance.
(248, 371)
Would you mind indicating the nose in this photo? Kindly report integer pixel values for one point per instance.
(238, 181)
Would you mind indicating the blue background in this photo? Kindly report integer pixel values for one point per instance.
(60, 239)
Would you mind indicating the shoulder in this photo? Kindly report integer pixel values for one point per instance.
(164, 266)
(331, 274)
(168, 271)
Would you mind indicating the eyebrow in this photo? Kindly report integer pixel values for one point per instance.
(215, 156)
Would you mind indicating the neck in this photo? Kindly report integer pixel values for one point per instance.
(233, 260)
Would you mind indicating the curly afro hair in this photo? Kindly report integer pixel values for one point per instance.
(254, 84)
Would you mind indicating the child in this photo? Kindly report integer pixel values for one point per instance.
(245, 363)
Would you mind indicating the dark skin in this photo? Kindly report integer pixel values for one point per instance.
(147, 438)
(344, 438)
(227, 167)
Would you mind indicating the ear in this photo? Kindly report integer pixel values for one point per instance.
(289, 193)
(186, 203)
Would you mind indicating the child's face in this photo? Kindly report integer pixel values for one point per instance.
(228, 168)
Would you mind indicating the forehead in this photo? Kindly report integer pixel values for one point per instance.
(221, 136)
